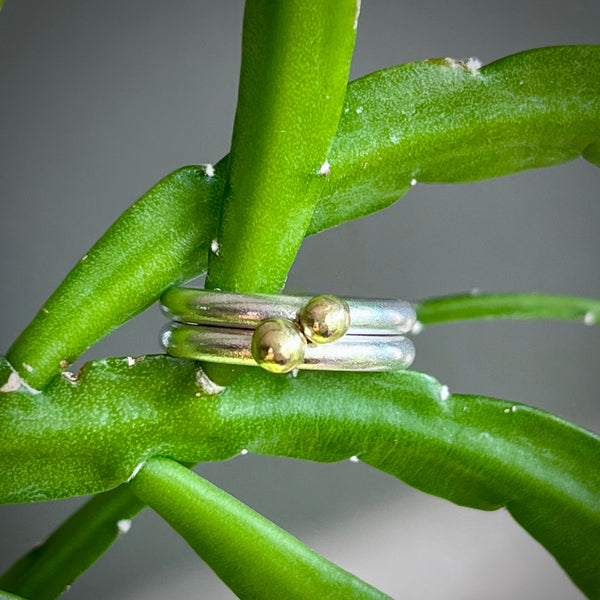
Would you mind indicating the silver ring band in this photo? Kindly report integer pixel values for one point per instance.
(241, 311)
(234, 346)
(284, 333)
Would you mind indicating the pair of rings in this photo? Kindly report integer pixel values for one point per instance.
(283, 333)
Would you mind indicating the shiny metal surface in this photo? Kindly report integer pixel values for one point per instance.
(325, 319)
(278, 345)
(234, 346)
(367, 317)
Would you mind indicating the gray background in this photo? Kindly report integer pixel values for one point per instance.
(99, 99)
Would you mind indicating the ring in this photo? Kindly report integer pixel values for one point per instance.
(283, 333)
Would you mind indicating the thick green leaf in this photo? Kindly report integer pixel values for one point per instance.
(89, 436)
(442, 121)
(295, 65)
(253, 556)
(49, 569)
(161, 239)
(507, 306)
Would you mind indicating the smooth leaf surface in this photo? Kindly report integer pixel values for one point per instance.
(551, 118)
(479, 452)
(50, 568)
(507, 306)
(249, 553)
(160, 239)
(437, 121)
(295, 65)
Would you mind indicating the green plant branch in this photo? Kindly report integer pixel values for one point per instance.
(507, 306)
(443, 121)
(163, 238)
(89, 436)
(250, 554)
(370, 169)
(552, 117)
(47, 571)
(295, 65)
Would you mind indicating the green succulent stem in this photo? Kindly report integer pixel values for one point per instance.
(288, 175)
(295, 64)
(492, 453)
(507, 306)
(49, 569)
(250, 554)
(152, 246)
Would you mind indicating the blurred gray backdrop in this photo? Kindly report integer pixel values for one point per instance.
(98, 100)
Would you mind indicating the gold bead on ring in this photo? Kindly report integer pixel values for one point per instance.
(325, 319)
(278, 346)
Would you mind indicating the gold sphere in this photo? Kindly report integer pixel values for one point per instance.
(325, 319)
(278, 345)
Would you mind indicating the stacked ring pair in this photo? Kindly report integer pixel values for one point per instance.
(283, 333)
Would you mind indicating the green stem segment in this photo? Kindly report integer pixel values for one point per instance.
(148, 249)
(491, 453)
(254, 557)
(295, 64)
(47, 571)
(507, 306)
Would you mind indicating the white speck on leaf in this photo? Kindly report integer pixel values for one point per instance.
(325, 169)
(84, 258)
(359, 110)
(507, 410)
(209, 170)
(123, 525)
(354, 459)
(514, 409)
(589, 318)
(243, 452)
(473, 65)
(16, 382)
(72, 378)
(28, 368)
(413, 182)
(13, 383)
(209, 387)
(131, 361)
(214, 247)
(137, 469)
(295, 372)
(444, 392)
(64, 363)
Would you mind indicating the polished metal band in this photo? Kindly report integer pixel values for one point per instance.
(245, 311)
(234, 346)
(283, 333)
